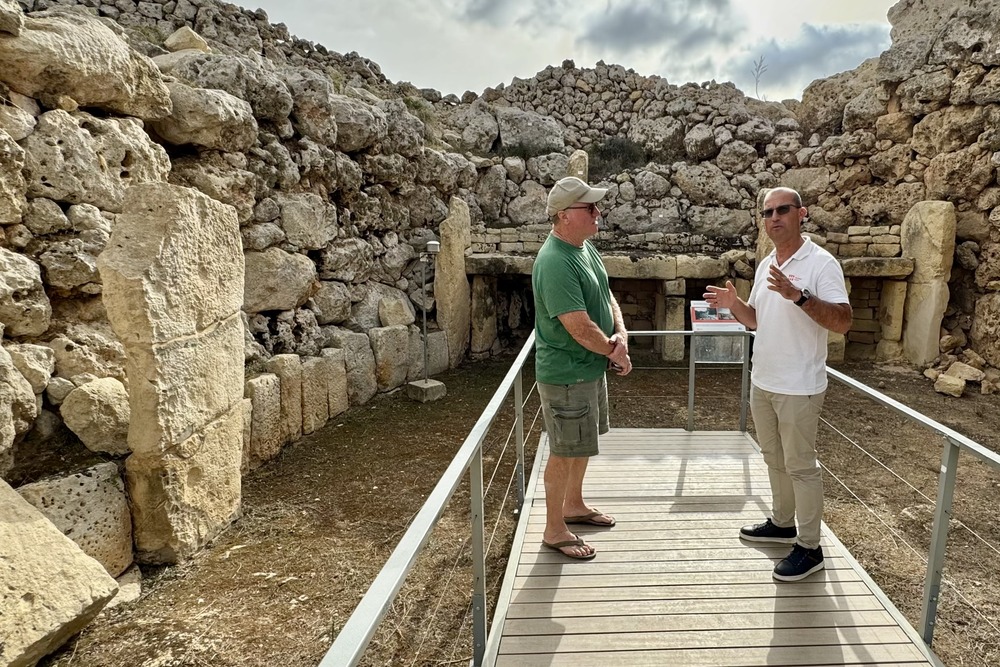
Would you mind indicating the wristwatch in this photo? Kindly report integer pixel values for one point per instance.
(806, 295)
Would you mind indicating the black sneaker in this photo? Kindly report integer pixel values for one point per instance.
(799, 564)
(768, 532)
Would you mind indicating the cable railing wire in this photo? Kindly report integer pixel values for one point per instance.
(923, 495)
(899, 537)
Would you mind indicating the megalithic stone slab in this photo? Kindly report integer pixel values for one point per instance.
(49, 588)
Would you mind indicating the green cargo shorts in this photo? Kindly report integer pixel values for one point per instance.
(575, 415)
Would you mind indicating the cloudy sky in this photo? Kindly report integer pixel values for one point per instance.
(458, 45)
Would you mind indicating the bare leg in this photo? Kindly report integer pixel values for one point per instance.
(559, 479)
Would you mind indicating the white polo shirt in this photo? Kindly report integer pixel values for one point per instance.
(789, 352)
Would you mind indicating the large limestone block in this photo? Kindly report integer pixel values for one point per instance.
(241, 76)
(529, 130)
(308, 222)
(183, 385)
(11, 17)
(924, 310)
(221, 176)
(35, 362)
(266, 432)
(390, 346)
(81, 159)
(928, 237)
(891, 308)
(336, 380)
(18, 408)
(277, 280)
(809, 182)
(396, 309)
(359, 125)
(288, 368)
(824, 100)
(188, 495)
(24, 306)
(437, 354)
(986, 328)
(484, 314)
(360, 362)
(91, 509)
(98, 413)
(701, 267)
(208, 118)
(89, 349)
(64, 53)
(174, 266)
(877, 267)
(315, 393)
(626, 266)
(962, 174)
(451, 284)
(669, 316)
(51, 589)
(12, 184)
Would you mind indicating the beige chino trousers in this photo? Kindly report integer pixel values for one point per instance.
(786, 431)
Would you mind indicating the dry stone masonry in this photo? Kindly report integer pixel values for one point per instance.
(213, 233)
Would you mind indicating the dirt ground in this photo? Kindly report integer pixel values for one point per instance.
(319, 522)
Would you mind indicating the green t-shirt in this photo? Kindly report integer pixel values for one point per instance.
(564, 279)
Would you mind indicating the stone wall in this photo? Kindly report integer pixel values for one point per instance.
(335, 178)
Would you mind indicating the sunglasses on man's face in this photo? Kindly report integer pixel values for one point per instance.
(591, 208)
(782, 210)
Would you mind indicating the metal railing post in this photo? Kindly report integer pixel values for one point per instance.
(519, 435)
(745, 388)
(478, 559)
(694, 341)
(939, 538)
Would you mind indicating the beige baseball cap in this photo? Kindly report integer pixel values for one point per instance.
(571, 190)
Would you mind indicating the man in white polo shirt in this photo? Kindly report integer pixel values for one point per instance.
(797, 296)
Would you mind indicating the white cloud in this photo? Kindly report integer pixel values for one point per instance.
(458, 45)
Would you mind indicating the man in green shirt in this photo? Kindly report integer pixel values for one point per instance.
(579, 332)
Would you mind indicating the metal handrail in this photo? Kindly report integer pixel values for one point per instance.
(353, 639)
(350, 644)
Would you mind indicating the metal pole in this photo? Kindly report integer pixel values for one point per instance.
(745, 388)
(694, 344)
(478, 559)
(519, 431)
(423, 294)
(939, 538)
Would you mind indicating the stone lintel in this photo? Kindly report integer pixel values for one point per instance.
(877, 267)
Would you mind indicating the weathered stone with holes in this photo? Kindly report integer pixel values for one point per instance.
(51, 590)
(90, 508)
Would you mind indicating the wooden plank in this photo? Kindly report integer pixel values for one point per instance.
(808, 587)
(852, 654)
(673, 584)
(707, 563)
(690, 622)
(566, 582)
(734, 606)
(704, 638)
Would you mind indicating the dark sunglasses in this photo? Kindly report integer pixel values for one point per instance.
(782, 210)
(590, 207)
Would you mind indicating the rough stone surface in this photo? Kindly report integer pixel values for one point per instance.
(98, 413)
(266, 432)
(51, 590)
(64, 53)
(90, 508)
(288, 369)
(208, 118)
(451, 285)
(24, 306)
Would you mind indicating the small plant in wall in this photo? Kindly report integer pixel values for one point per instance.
(759, 67)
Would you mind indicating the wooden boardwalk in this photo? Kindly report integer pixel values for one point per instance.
(672, 584)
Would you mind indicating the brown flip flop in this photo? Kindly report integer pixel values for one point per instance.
(578, 542)
(590, 517)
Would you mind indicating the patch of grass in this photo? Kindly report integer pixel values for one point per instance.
(614, 156)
